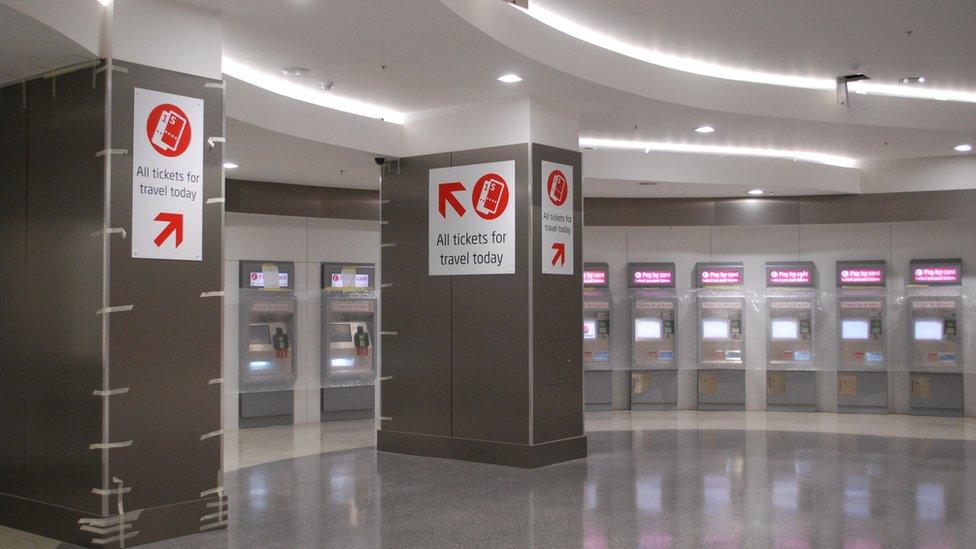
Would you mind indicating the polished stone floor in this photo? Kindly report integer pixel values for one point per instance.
(653, 479)
(639, 488)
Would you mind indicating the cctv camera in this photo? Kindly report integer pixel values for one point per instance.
(380, 160)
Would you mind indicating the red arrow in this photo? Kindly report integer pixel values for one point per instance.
(445, 194)
(560, 254)
(174, 222)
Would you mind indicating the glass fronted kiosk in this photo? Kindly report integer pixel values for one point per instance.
(862, 350)
(348, 338)
(653, 316)
(597, 363)
(267, 343)
(721, 330)
(934, 303)
(791, 361)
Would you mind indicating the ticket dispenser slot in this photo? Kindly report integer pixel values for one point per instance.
(267, 343)
(597, 337)
(862, 351)
(348, 341)
(935, 337)
(654, 360)
(721, 332)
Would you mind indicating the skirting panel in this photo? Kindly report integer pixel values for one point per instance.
(497, 453)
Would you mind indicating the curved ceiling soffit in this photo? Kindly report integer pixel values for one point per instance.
(544, 44)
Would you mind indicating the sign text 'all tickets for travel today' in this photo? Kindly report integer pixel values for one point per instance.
(471, 217)
(167, 176)
(557, 218)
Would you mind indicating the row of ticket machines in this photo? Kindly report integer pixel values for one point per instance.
(268, 342)
(859, 354)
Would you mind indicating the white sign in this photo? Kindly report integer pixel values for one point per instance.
(557, 218)
(472, 219)
(167, 176)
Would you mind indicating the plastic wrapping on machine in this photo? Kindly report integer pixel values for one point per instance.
(348, 325)
(722, 327)
(267, 340)
(935, 326)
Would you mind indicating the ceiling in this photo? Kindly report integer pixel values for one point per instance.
(428, 58)
(889, 40)
(29, 48)
(264, 155)
(440, 54)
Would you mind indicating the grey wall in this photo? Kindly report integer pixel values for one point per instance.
(754, 245)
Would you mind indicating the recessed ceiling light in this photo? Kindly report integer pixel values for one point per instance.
(964, 148)
(913, 80)
(648, 146)
(230, 166)
(295, 71)
(757, 192)
(510, 78)
(704, 129)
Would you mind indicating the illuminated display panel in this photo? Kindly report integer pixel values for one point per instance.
(855, 329)
(646, 329)
(589, 329)
(715, 329)
(928, 330)
(785, 329)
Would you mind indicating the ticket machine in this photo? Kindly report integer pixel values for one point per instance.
(935, 337)
(597, 363)
(790, 332)
(862, 350)
(653, 315)
(267, 343)
(721, 331)
(348, 341)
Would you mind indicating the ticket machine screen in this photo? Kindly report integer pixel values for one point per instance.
(855, 329)
(589, 329)
(647, 329)
(715, 329)
(928, 330)
(785, 329)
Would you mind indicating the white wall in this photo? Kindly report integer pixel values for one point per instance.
(898, 243)
(307, 242)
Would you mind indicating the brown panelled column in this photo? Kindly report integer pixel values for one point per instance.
(110, 376)
(482, 367)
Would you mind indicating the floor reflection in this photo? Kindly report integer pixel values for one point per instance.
(647, 489)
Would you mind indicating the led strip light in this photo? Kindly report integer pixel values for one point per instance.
(648, 146)
(280, 86)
